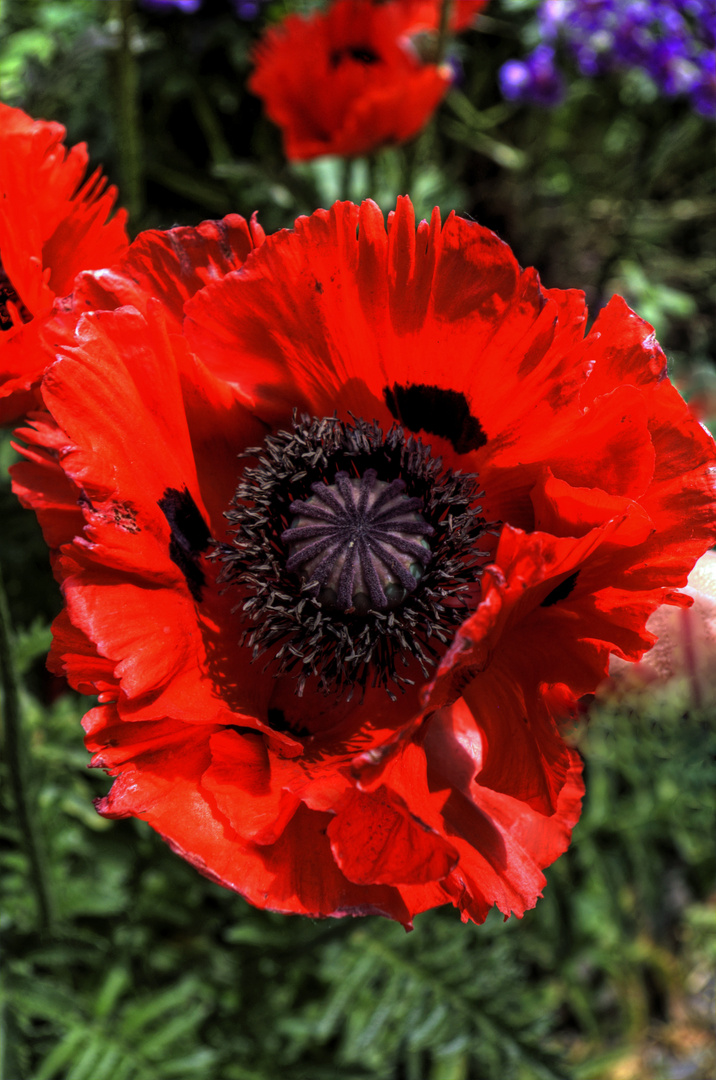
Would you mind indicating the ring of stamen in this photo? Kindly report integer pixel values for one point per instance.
(330, 561)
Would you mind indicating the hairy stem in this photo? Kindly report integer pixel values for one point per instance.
(346, 178)
(443, 27)
(126, 80)
(15, 758)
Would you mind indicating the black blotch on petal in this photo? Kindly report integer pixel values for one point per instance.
(359, 53)
(190, 536)
(180, 252)
(222, 230)
(439, 412)
(561, 591)
(278, 722)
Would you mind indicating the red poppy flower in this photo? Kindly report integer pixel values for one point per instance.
(347, 81)
(53, 223)
(340, 556)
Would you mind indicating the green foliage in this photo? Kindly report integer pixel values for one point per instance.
(151, 971)
(32, 593)
(116, 1033)
(620, 200)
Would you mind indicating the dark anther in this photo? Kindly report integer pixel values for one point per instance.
(439, 412)
(360, 540)
(561, 591)
(190, 536)
(362, 55)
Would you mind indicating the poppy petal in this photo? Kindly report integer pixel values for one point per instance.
(232, 721)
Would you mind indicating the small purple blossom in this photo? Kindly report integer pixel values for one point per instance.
(247, 9)
(457, 69)
(187, 6)
(703, 93)
(535, 79)
(672, 41)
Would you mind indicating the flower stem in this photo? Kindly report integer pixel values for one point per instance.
(219, 150)
(408, 159)
(126, 78)
(15, 759)
(373, 177)
(346, 177)
(443, 27)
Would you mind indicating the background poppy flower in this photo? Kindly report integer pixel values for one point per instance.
(352, 545)
(53, 223)
(346, 81)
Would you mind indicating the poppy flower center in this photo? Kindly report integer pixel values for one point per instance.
(8, 296)
(330, 556)
(362, 540)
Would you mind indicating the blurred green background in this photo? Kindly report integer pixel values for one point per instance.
(138, 968)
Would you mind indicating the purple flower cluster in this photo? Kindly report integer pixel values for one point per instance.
(672, 41)
(245, 9)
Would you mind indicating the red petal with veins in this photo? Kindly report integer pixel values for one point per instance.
(53, 224)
